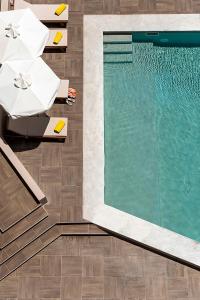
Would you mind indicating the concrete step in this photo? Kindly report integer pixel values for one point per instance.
(82, 229)
(117, 38)
(117, 48)
(25, 239)
(75, 229)
(21, 227)
(29, 251)
(68, 229)
(139, 46)
(118, 58)
(10, 221)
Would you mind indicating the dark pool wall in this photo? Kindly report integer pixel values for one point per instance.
(189, 38)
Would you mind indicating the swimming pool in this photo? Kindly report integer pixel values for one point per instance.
(141, 129)
(152, 128)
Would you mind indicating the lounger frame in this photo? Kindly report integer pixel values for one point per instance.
(44, 12)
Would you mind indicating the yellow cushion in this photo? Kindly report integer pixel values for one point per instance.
(59, 126)
(60, 9)
(58, 37)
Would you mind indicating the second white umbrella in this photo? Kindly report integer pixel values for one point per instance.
(27, 87)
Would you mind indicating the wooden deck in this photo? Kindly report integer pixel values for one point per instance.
(85, 263)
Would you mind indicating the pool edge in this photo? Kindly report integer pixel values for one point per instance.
(94, 208)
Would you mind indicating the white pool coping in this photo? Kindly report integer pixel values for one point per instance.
(94, 209)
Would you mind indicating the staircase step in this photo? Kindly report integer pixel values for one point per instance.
(82, 229)
(44, 240)
(21, 227)
(117, 48)
(139, 46)
(117, 38)
(18, 216)
(29, 251)
(118, 58)
(26, 238)
(16, 201)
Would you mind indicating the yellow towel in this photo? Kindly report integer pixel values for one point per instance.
(57, 37)
(59, 126)
(60, 9)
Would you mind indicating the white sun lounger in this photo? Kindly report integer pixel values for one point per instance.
(5, 5)
(44, 12)
(63, 89)
(37, 127)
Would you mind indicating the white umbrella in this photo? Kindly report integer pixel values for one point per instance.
(27, 87)
(22, 35)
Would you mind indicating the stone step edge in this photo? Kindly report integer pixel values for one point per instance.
(90, 229)
(14, 223)
(82, 229)
(25, 259)
(2, 261)
(12, 239)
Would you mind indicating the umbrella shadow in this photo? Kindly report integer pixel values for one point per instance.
(3, 117)
(56, 25)
(21, 133)
(17, 145)
(55, 50)
(22, 144)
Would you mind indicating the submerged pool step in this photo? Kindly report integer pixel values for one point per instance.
(117, 38)
(118, 58)
(137, 46)
(118, 48)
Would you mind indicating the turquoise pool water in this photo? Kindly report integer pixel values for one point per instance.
(152, 134)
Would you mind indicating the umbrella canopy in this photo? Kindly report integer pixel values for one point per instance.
(27, 87)
(22, 35)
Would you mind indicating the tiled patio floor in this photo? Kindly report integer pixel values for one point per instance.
(94, 267)
(100, 268)
(15, 201)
